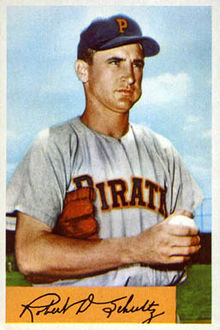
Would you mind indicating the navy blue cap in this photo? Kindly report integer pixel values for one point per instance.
(115, 31)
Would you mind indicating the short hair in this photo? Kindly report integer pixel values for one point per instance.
(88, 56)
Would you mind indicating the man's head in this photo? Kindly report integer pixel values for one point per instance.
(110, 63)
(112, 32)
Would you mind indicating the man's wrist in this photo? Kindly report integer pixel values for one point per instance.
(128, 251)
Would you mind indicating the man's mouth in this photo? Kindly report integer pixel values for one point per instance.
(125, 91)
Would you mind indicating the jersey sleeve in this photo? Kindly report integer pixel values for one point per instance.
(182, 191)
(185, 192)
(39, 184)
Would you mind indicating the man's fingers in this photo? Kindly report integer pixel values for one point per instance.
(185, 240)
(177, 259)
(179, 230)
(184, 250)
(180, 255)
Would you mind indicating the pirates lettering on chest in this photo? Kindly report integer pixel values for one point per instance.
(118, 193)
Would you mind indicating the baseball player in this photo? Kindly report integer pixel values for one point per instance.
(95, 196)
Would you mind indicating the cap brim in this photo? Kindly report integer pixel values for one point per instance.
(150, 46)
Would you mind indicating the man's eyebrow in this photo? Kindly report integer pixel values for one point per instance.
(119, 59)
(115, 58)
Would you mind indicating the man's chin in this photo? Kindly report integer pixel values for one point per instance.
(129, 99)
(125, 107)
(126, 104)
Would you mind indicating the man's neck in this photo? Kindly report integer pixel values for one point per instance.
(115, 125)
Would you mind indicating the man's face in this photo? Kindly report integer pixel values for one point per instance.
(114, 78)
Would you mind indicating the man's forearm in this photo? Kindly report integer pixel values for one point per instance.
(43, 252)
(39, 251)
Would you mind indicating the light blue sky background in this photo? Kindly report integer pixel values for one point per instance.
(43, 89)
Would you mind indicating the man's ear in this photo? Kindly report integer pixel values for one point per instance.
(81, 68)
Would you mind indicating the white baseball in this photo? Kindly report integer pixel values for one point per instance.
(182, 220)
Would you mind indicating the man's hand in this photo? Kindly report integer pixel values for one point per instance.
(166, 243)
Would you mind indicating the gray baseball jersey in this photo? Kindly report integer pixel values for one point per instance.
(139, 180)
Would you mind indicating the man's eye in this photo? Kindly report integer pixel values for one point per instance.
(114, 62)
(139, 64)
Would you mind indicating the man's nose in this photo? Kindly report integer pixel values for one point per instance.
(129, 74)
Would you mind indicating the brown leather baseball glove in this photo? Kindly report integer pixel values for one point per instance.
(77, 221)
(78, 217)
